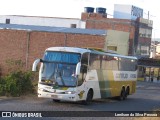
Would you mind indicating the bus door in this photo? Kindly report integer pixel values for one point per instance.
(81, 85)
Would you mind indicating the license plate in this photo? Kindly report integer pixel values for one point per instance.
(54, 96)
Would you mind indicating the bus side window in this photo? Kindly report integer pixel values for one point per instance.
(109, 63)
(131, 64)
(84, 68)
(95, 61)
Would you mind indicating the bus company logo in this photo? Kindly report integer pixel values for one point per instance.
(81, 94)
(6, 114)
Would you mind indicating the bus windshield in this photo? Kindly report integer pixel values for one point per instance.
(59, 68)
(64, 57)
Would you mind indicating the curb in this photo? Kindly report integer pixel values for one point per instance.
(7, 98)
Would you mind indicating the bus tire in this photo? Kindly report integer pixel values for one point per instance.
(54, 100)
(89, 97)
(122, 95)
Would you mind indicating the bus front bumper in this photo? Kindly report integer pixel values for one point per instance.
(56, 96)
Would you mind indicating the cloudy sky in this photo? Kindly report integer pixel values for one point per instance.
(74, 8)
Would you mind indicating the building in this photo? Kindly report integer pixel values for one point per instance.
(127, 33)
(143, 27)
(130, 19)
(127, 18)
(98, 21)
(28, 42)
(143, 37)
(155, 50)
(42, 21)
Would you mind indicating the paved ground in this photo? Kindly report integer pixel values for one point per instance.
(146, 98)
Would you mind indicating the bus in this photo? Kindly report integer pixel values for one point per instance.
(79, 74)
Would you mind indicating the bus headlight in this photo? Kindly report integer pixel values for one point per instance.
(70, 92)
(43, 90)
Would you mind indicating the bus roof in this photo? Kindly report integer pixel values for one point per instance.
(113, 54)
(68, 49)
(84, 50)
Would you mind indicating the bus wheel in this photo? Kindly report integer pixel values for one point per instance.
(54, 100)
(89, 97)
(123, 94)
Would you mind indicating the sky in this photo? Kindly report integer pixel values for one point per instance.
(74, 8)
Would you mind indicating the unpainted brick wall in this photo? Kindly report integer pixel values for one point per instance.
(13, 46)
(30, 45)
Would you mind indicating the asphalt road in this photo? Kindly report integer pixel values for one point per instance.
(146, 98)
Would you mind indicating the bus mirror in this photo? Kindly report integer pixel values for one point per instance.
(34, 67)
(78, 67)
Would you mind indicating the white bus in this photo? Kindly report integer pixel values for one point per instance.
(78, 74)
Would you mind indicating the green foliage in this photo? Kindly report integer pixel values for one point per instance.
(2, 87)
(14, 65)
(17, 82)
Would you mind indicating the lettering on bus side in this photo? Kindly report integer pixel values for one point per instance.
(133, 76)
(124, 75)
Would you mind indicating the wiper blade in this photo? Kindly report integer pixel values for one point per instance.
(45, 83)
(59, 62)
(59, 75)
(62, 79)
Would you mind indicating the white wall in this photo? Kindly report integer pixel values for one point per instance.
(43, 21)
(127, 12)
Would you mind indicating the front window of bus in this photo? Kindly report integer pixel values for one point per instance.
(59, 68)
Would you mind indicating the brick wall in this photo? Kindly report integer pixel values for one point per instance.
(12, 46)
(99, 21)
(28, 46)
(93, 16)
(39, 41)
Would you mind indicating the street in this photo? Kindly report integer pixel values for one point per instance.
(146, 98)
